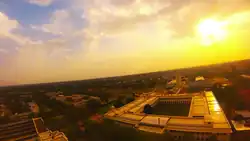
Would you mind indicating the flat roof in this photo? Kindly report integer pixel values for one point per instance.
(198, 106)
(217, 114)
(15, 130)
(39, 125)
(186, 121)
(132, 116)
(155, 120)
(244, 113)
(140, 106)
(240, 126)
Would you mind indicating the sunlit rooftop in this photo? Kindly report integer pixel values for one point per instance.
(205, 114)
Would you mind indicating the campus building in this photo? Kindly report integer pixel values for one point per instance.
(29, 130)
(205, 117)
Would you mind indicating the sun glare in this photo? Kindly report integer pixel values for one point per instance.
(211, 31)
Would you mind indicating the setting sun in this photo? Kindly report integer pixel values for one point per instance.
(211, 31)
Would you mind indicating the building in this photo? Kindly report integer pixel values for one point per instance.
(171, 84)
(77, 97)
(51, 94)
(21, 116)
(76, 100)
(199, 78)
(95, 97)
(80, 103)
(4, 111)
(61, 98)
(200, 83)
(176, 83)
(34, 108)
(29, 130)
(205, 118)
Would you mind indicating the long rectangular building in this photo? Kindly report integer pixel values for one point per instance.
(27, 130)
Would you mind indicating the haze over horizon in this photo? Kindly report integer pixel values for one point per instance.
(61, 40)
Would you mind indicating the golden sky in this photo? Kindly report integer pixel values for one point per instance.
(84, 39)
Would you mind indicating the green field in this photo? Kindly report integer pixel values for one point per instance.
(171, 109)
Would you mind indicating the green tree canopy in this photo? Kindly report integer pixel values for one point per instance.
(93, 105)
(129, 99)
(148, 109)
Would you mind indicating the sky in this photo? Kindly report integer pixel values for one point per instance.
(61, 40)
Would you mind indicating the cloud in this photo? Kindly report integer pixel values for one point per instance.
(8, 26)
(112, 16)
(61, 23)
(184, 20)
(2, 50)
(41, 2)
(116, 37)
(160, 26)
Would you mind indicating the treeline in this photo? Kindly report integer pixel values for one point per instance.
(109, 131)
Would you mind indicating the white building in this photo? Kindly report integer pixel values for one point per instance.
(205, 117)
(199, 78)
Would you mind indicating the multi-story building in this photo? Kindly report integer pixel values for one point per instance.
(205, 118)
(29, 130)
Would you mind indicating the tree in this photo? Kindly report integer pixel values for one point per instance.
(129, 99)
(238, 118)
(212, 138)
(145, 136)
(118, 103)
(188, 137)
(4, 120)
(240, 106)
(93, 105)
(105, 97)
(148, 109)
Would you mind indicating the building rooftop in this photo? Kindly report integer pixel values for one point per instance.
(17, 130)
(240, 126)
(205, 115)
(198, 78)
(243, 113)
(29, 130)
(198, 107)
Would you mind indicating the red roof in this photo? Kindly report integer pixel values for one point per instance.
(96, 117)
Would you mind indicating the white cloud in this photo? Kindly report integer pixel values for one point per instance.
(6, 29)
(7, 25)
(41, 2)
(60, 24)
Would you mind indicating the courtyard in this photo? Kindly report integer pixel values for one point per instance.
(179, 109)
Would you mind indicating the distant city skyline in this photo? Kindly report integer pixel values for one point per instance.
(61, 40)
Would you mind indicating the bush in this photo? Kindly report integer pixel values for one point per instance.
(212, 138)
